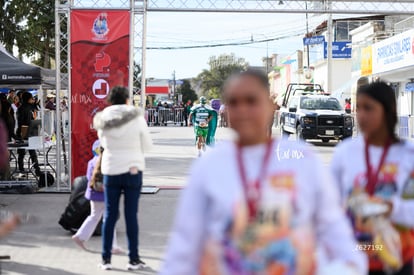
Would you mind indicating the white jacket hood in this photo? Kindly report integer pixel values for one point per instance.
(114, 117)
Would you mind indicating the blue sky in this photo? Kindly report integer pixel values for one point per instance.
(187, 29)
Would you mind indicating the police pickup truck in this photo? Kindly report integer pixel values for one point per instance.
(315, 116)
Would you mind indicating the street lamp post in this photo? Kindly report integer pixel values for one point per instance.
(174, 86)
(330, 38)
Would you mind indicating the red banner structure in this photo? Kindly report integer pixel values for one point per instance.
(100, 61)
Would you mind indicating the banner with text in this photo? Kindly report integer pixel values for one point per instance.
(340, 49)
(393, 53)
(100, 61)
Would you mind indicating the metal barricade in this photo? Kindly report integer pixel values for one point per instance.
(164, 116)
(179, 116)
(406, 127)
(152, 115)
(276, 118)
(223, 119)
(49, 122)
(403, 130)
(65, 123)
(355, 123)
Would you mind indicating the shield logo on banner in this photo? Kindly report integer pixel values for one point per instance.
(100, 26)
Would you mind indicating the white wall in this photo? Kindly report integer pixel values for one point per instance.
(404, 101)
(340, 76)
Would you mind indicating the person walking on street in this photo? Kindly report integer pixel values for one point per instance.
(124, 136)
(269, 210)
(96, 199)
(377, 183)
(223, 115)
(272, 117)
(186, 112)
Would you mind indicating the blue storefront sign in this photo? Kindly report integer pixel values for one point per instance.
(314, 40)
(339, 49)
(409, 87)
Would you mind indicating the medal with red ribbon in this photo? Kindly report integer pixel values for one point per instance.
(372, 175)
(252, 192)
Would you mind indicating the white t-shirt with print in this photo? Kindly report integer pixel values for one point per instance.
(299, 211)
(395, 180)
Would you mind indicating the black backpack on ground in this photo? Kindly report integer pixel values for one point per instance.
(78, 208)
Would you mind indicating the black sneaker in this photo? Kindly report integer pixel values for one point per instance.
(135, 265)
(106, 265)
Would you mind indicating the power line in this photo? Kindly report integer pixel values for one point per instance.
(223, 44)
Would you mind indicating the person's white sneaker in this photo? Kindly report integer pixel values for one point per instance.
(21, 176)
(135, 265)
(106, 265)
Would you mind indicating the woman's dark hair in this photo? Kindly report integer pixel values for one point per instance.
(118, 95)
(254, 73)
(384, 94)
(26, 96)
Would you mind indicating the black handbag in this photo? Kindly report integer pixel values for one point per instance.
(96, 182)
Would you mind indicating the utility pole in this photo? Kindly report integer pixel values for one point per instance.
(307, 32)
(329, 48)
(267, 57)
(174, 93)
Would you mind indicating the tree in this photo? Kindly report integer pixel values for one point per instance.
(29, 25)
(187, 92)
(40, 30)
(9, 27)
(221, 68)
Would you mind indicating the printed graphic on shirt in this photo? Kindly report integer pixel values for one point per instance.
(386, 185)
(408, 191)
(363, 209)
(271, 243)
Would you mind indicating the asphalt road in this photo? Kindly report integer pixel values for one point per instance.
(44, 248)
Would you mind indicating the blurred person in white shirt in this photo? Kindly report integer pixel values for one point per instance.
(257, 205)
(375, 173)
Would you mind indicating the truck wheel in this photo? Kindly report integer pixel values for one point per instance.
(299, 134)
(325, 140)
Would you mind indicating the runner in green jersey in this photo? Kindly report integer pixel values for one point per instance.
(204, 119)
